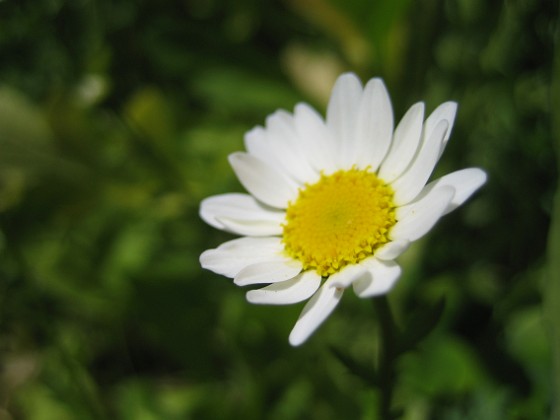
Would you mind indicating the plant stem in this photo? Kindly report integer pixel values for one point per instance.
(387, 356)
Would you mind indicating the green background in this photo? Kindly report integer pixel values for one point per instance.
(116, 119)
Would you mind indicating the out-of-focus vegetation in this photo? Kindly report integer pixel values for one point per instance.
(116, 119)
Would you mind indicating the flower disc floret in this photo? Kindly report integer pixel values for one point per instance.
(340, 220)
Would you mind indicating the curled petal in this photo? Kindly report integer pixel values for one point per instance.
(392, 250)
(405, 144)
(233, 256)
(382, 276)
(251, 227)
(465, 182)
(268, 272)
(241, 214)
(445, 112)
(287, 292)
(417, 218)
(409, 185)
(346, 276)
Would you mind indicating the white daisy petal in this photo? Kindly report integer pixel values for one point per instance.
(392, 250)
(241, 214)
(382, 277)
(316, 140)
(465, 182)
(268, 272)
(417, 218)
(263, 181)
(287, 292)
(405, 144)
(257, 145)
(374, 128)
(319, 307)
(286, 145)
(251, 227)
(346, 276)
(409, 185)
(232, 256)
(444, 112)
(341, 113)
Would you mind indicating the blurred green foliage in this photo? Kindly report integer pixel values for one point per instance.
(116, 119)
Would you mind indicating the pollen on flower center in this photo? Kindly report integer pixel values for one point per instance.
(340, 220)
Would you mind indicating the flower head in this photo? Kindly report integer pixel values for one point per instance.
(333, 202)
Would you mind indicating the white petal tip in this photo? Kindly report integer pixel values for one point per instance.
(480, 176)
(208, 259)
(348, 77)
(296, 341)
(235, 157)
(466, 182)
(252, 296)
(202, 259)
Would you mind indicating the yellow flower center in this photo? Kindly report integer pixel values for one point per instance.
(340, 220)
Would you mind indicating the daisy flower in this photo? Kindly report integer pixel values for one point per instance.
(332, 203)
